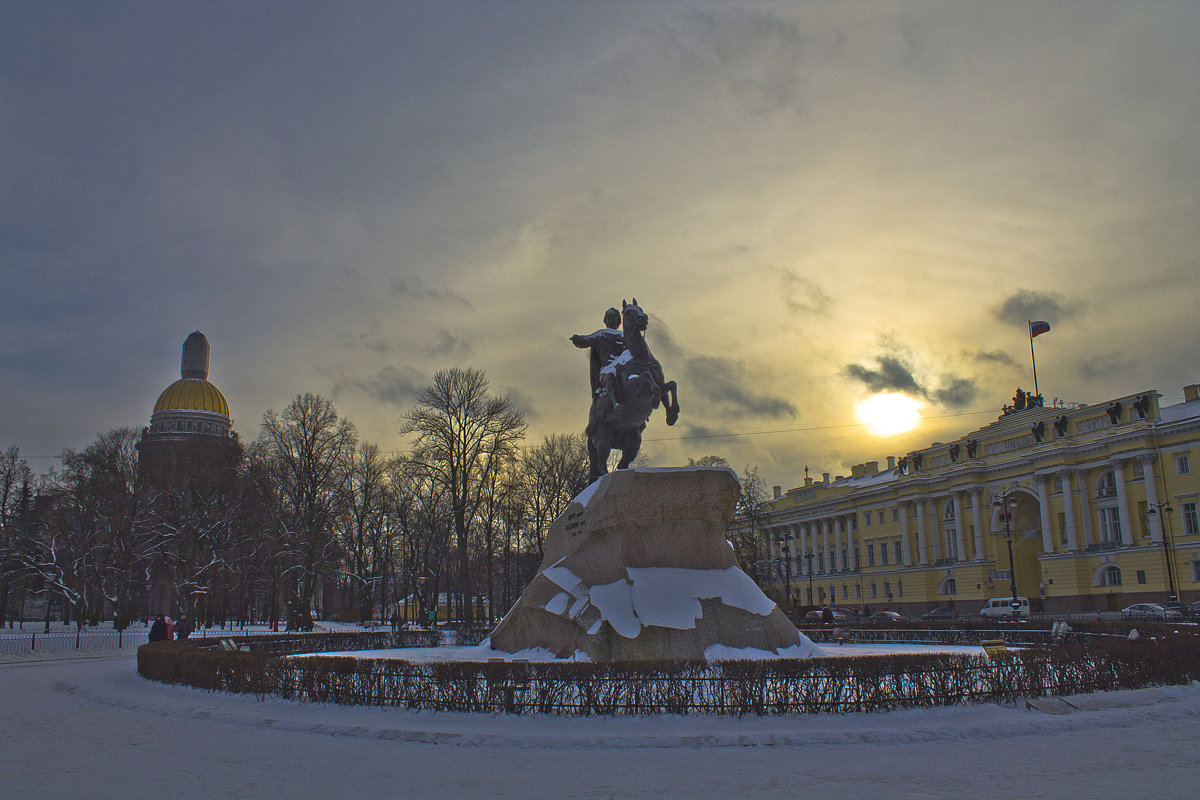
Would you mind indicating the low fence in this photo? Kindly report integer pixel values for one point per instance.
(57, 641)
(794, 686)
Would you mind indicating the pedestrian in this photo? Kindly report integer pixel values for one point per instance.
(183, 628)
(158, 631)
(827, 615)
(170, 628)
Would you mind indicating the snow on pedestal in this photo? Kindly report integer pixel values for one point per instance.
(638, 567)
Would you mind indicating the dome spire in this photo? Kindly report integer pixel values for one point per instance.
(194, 363)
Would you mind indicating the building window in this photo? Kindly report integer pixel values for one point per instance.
(867, 519)
(870, 555)
(1183, 464)
(895, 514)
(873, 592)
(171, 425)
(948, 586)
(1191, 519)
(1110, 525)
(887, 590)
(857, 591)
(1110, 576)
(845, 592)
(1141, 576)
(881, 516)
(898, 559)
(951, 544)
(900, 588)
(1196, 572)
(1107, 486)
(883, 554)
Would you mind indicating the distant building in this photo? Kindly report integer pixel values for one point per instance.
(1103, 501)
(190, 429)
(188, 452)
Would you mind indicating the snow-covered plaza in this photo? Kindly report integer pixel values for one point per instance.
(88, 726)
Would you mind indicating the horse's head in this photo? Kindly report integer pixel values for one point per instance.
(633, 319)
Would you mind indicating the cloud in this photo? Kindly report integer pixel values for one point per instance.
(990, 357)
(1027, 304)
(801, 295)
(399, 386)
(955, 392)
(414, 288)
(1106, 365)
(892, 375)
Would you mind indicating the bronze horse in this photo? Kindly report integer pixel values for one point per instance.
(632, 385)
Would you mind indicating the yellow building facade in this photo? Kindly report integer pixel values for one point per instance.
(1101, 505)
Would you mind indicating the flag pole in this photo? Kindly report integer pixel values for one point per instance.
(1032, 357)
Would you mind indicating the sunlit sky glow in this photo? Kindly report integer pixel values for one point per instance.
(815, 202)
(887, 413)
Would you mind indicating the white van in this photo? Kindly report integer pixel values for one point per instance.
(1002, 607)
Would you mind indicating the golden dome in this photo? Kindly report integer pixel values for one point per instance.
(192, 394)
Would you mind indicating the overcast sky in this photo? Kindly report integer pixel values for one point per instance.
(813, 202)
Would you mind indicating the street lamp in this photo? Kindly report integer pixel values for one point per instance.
(786, 549)
(1005, 503)
(809, 557)
(1161, 510)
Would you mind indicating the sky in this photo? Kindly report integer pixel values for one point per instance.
(813, 201)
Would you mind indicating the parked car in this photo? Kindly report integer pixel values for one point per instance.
(818, 614)
(1182, 608)
(1149, 611)
(1002, 607)
(940, 613)
(1194, 609)
(886, 616)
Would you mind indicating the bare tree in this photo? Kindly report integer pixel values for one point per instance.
(310, 450)
(554, 472)
(15, 494)
(362, 526)
(463, 435)
(746, 530)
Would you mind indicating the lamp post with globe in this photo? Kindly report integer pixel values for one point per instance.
(1161, 510)
(1005, 502)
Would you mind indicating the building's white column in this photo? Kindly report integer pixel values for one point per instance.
(905, 547)
(922, 544)
(851, 561)
(1123, 502)
(977, 521)
(825, 562)
(794, 549)
(1156, 529)
(1085, 510)
(1068, 494)
(959, 540)
(839, 562)
(1044, 508)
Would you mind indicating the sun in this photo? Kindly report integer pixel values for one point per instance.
(887, 413)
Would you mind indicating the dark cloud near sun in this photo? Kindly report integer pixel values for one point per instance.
(955, 392)
(890, 375)
(893, 374)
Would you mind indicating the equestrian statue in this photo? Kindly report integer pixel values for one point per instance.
(627, 385)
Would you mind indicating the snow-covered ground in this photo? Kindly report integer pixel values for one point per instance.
(90, 727)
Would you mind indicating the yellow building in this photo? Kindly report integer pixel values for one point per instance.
(1103, 507)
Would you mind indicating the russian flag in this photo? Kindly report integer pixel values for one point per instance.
(1038, 328)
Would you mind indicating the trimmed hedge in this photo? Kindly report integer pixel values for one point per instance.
(772, 686)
